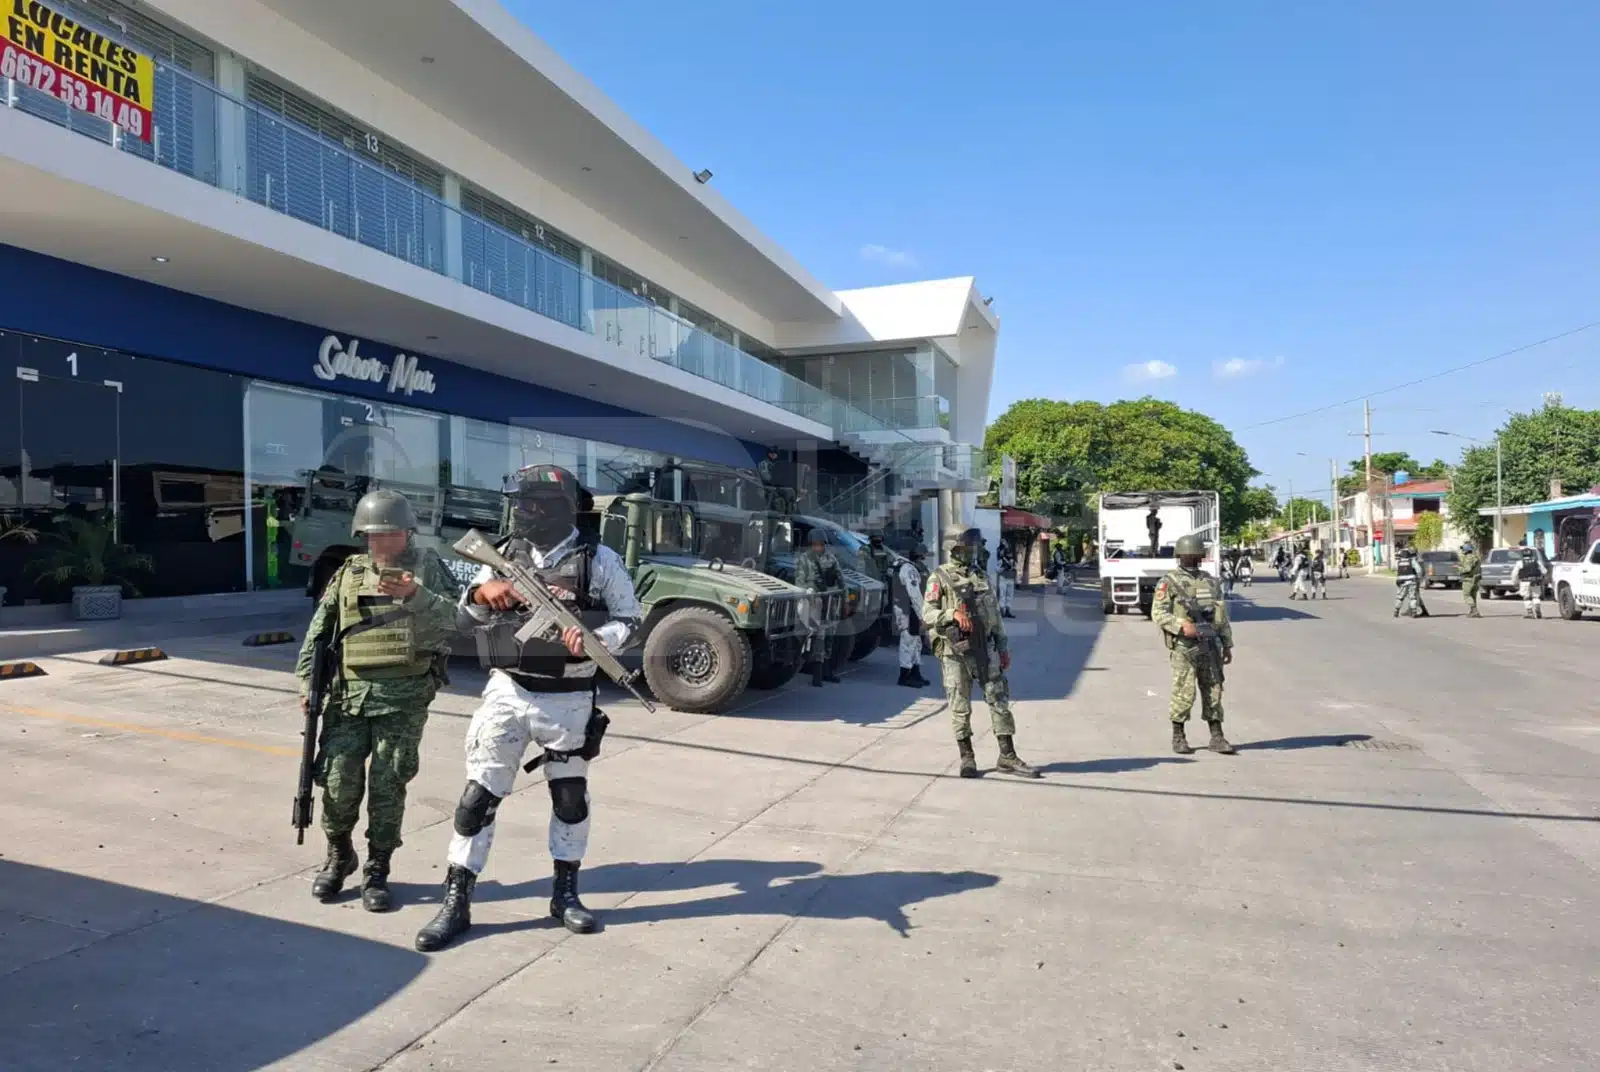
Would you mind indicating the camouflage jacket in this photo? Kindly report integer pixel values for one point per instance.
(943, 596)
(1169, 613)
(1471, 566)
(434, 608)
(818, 572)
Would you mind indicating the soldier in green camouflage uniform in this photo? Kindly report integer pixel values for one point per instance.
(1471, 577)
(395, 632)
(817, 571)
(945, 615)
(1189, 675)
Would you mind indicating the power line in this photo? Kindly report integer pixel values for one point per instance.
(1425, 379)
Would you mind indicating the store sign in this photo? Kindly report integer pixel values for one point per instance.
(85, 70)
(402, 375)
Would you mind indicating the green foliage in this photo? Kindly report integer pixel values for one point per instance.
(81, 551)
(17, 530)
(1250, 534)
(1551, 442)
(1430, 531)
(1067, 452)
(1387, 463)
(1306, 511)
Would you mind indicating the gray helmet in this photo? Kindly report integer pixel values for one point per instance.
(383, 511)
(1190, 546)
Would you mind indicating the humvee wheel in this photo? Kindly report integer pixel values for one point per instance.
(696, 661)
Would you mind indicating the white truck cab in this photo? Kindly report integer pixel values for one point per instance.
(1577, 584)
(1131, 564)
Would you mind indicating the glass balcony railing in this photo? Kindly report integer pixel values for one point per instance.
(256, 153)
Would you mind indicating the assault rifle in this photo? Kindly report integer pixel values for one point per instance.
(974, 645)
(1208, 645)
(548, 617)
(323, 663)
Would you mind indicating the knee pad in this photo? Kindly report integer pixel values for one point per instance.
(475, 810)
(569, 799)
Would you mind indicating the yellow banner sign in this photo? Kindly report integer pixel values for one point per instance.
(49, 52)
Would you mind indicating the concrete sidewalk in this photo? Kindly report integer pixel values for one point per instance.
(1394, 873)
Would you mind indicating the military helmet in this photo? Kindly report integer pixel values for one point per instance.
(545, 501)
(971, 538)
(383, 511)
(1190, 545)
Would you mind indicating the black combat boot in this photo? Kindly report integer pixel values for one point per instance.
(969, 762)
(454, 917)
(905, 678)
(564, 903)
(340, 865)
(1180, 742)
(375, 881)
(829, 676)
(917, 679)
(816, 674)
(1219, 744)
(1010, 762)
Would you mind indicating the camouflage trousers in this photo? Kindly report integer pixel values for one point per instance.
(1469, 593)
(958, 690)
(1408, 600)
(393, 742)
(1187, 682)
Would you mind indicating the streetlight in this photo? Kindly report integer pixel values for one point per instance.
(1499, 479)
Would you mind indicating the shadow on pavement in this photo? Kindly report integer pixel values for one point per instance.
(1114, 765)
(1244, 610)
(761, 888)
(180, 984)
(1293, 744)
(1052, 639)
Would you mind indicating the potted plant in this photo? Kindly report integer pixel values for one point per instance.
(82, 550)
(15, 530)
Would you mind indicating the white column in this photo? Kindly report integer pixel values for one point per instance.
(232, 142)
(453, 259)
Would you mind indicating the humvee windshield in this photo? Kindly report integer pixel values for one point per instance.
(671, 531)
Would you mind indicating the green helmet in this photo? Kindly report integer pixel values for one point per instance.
(1190, 546)
(383, 511)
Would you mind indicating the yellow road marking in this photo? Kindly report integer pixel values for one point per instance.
(151, 731)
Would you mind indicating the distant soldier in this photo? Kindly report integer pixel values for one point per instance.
(1247, 569)
(907, 585)
(1006, 566)
(1319, 576)
(1408, 585)
(1471, 578)
(1187, 600)
(392, 612)
(1063, 571)
(1152, 527)
(970, 641)
(817, 572)
(882, 558)
(1530, 582)
(1300, 570)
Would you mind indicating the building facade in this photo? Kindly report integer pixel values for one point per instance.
(261, 254)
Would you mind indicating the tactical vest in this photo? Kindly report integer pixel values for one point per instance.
(1405, 571)
(1529, 569)
(1205, 599)
(545, 665)
(378, 643)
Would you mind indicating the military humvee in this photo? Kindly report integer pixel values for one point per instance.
(713, 623)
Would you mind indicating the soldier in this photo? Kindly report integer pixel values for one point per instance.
(817, 572)
(1006, 561)
(882, 558)
(1408, 585)
(541, 692)
(392, 611)
(1319, 575)
(1182, 595)
(1300, 570)
(970, 642)
(1530, 582)
(1058, 563)
(1247, 569)
(1471, 577)
(908, 618)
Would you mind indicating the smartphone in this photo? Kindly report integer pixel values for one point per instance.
(394, 574)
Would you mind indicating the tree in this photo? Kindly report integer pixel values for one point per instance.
(1256, 504)
(1387, 463)
(1067, 452)
(1305, 512)
(1430, 532)
(1551, 443)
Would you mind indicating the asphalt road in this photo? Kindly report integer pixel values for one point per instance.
(1396, 872)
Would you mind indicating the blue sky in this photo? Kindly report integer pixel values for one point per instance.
(1284, 204)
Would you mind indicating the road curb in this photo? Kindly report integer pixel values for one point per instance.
(20, 669)
(132, 655)
(259, 640)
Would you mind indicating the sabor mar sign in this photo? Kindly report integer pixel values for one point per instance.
(336, 361)
(85, 70)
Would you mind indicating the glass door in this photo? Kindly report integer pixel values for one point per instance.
(71, 447)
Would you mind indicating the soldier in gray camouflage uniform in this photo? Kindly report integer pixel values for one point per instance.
(817, 571)
(394, 611)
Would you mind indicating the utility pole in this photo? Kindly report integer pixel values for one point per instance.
(1366, 411)
(1333, 507)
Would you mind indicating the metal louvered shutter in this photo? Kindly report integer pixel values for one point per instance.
(487, 207)
(311, 163)
(515, 257)
(184, 137)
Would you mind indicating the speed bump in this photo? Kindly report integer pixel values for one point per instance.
(11, 670)
(257, 640)
(132, 655)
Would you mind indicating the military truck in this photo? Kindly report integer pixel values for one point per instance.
(712, 626)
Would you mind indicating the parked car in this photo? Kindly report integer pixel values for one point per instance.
(1500, 572)
(1577, 584)
(1442, 568)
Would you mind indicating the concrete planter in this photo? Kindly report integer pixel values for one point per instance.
(96, 602)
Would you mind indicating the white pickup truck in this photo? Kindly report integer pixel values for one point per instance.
(1131, 563)
(1577, 584)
